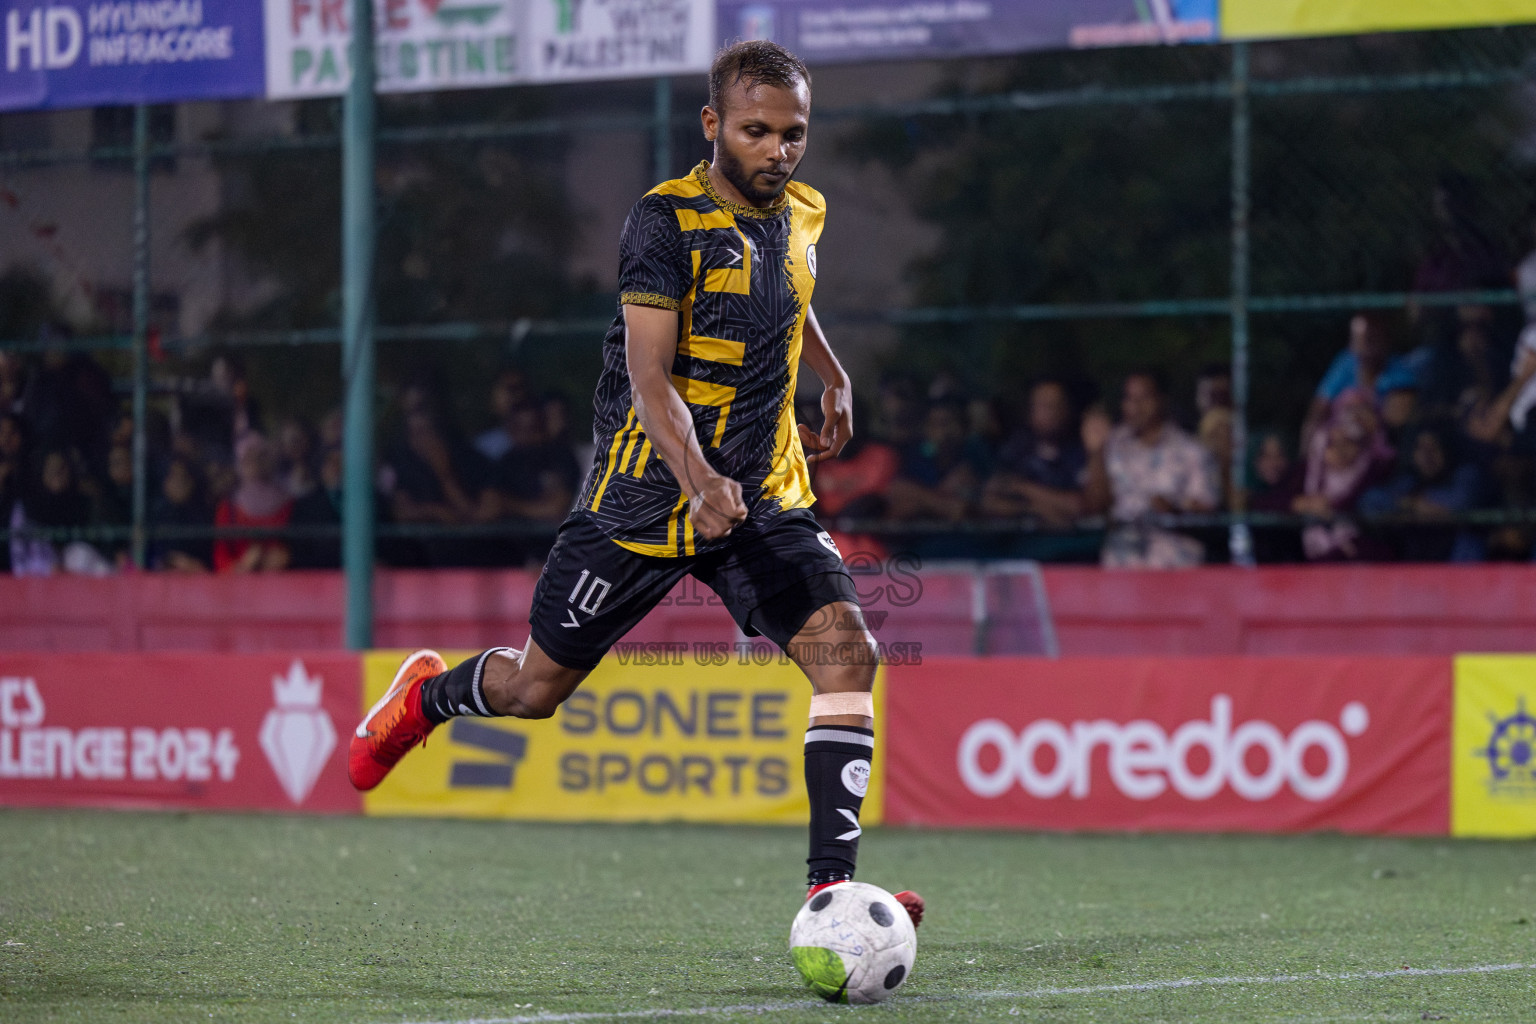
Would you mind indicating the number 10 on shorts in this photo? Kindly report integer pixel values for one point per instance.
(596, 591)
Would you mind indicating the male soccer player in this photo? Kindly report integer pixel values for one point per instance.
(700, 466)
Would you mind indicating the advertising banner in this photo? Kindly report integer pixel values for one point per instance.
(81, 53)
(659, 732)
(1493, 747)
(1182, 744)
(420, 45)
(574, 40)
(194, 731)
(855, 30)
(1250, 19)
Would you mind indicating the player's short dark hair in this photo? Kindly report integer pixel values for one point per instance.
(754, 62)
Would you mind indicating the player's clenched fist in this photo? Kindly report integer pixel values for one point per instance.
(717, 508)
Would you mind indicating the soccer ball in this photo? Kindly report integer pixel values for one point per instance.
(853, 943)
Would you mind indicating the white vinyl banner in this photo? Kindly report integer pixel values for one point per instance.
(425, 45)
(421, 45)
(571, 40)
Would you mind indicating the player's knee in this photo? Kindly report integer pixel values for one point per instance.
(849, 677)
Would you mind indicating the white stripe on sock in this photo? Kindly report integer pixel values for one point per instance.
(474, 686)
(827, 734)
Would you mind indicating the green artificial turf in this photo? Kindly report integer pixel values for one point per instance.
(148, 917)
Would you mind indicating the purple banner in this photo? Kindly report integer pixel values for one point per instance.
(82, 53)
(824, 32)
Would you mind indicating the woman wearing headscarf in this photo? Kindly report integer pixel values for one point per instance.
(258, 500)
(1344, 460)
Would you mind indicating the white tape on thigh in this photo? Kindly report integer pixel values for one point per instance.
(824, 705)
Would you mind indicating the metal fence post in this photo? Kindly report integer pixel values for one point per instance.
(1240, 538)
(357, 239)
(661, 136)
(139, 546)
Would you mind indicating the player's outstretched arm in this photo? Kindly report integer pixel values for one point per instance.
(836, 395)
(650, 349)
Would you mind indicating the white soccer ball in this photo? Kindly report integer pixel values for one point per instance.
(853, 943)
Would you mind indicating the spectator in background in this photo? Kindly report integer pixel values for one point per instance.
(1213, 389)
(181, 503)
(69, 402)
(898, 413)
(1147, 466)
(437, 479)
(1461, 256)
(13, 461)
(557, 424)
(533, 483)
(113, 502)
(940, 476)
(13, 379)
(331, 430)
(1348, 457)
(1432, 487)
(295, 458)
(258, 500)
(217, 413)
(320, 507)
(1215, 434)
(1042, 466)
(508, 391)
(1274, 481)
(433, 477)
(13, 473)
(54, 501)
(1367, 366)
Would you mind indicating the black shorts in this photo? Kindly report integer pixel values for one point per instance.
(772, 580)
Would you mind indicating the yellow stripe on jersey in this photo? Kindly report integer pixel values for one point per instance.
(613, 454)
(642, 458)
(714, 350)
(693, 220)
(634, 435)
(700, 392)
(737, 281)
(672, 524)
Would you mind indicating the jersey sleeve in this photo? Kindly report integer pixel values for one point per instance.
(654, 266)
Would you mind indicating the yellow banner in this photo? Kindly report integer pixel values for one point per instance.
(1251, 19)
(1493, 747)
(668, 734)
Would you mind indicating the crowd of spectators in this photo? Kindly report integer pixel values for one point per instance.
(1393, 446)
(1422, 417)
(215, 460)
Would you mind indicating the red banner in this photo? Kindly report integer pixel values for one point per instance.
(1179, 744)
(178, 730)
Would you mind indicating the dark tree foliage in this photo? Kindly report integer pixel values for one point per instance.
(468, 230)
(1131, 201)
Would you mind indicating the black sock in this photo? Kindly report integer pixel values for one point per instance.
(836, 778)
(457, 691)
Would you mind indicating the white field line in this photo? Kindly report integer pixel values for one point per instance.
(1033, 993)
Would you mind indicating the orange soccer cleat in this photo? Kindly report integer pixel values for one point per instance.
(395, 724)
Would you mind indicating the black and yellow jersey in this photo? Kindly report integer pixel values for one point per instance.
(740, 279)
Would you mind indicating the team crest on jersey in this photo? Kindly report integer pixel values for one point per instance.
(810, 259)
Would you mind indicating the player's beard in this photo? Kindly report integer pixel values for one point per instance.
(734, 172)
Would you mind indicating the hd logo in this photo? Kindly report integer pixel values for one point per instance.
(509, 747)
(1493, 747)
